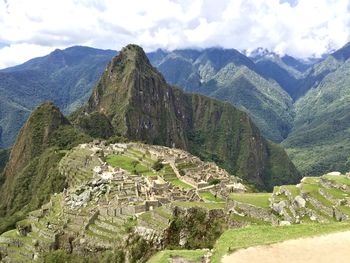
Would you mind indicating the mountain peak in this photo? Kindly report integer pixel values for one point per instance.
(36, 132)
(134, 100)
(133, 54)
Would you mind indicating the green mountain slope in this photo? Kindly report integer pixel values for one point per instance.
(4, 155)
(314, 75)
(273, 67)
(65, 77)
(31, 174)
(228, 75)
(319, 141)
(138, 103)
(270, 107)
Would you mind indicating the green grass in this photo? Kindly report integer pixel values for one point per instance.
(293, 190)
(339, 179)
(246, 220)
(127, 163)
(12, 233)
(165, 255)
(210, 197)
(177, 182)
(201, 204)
(172, 178)
(337, 193)
(312, 189)
(234, 239)
(257, 199)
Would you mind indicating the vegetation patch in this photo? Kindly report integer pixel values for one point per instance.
(208, 196)
(257, 199)
(127, 163)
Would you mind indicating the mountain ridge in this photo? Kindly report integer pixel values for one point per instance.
(140, 105)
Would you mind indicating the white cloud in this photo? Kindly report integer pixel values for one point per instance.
(300, 28)
(19, 53)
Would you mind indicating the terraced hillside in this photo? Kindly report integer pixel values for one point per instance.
(117, 197)
(132, 200)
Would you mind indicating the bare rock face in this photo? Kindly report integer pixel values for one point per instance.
(140, 105)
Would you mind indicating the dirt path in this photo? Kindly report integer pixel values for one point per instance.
(331, 248)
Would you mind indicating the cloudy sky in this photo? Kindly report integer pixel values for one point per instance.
(302, 28)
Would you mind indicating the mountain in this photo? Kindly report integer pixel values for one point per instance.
(134, 99)
(228, 75)
(31, 174)
(319, 141)
(271, 66)
(315, 74)
(4, 155)
(297, 64)
(65, 77)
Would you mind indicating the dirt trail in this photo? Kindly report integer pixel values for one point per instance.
(331, 248)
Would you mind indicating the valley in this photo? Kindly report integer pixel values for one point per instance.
(289, 100)
(147, 172)
(174, 131)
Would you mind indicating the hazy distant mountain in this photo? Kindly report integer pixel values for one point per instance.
(271, 66)
(300, 65)
(65, 77)
(315, 74)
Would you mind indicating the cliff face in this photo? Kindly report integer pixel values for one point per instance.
(140, 105)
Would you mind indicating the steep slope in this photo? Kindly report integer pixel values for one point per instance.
(65, 77)
(314, 76)
(31, 174)
(179, 70)
(268, 105)
(4, 155)
(140, 105)
(299, 65)
(228, 75)
(319, 141)
(272, 66)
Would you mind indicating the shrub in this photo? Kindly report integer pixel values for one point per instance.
(158, 165)
(214, 181)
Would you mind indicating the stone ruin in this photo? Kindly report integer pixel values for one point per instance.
(119, 192)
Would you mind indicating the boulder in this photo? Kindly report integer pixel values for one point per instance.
(299, 201)
(284, 223)
(279, 207)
